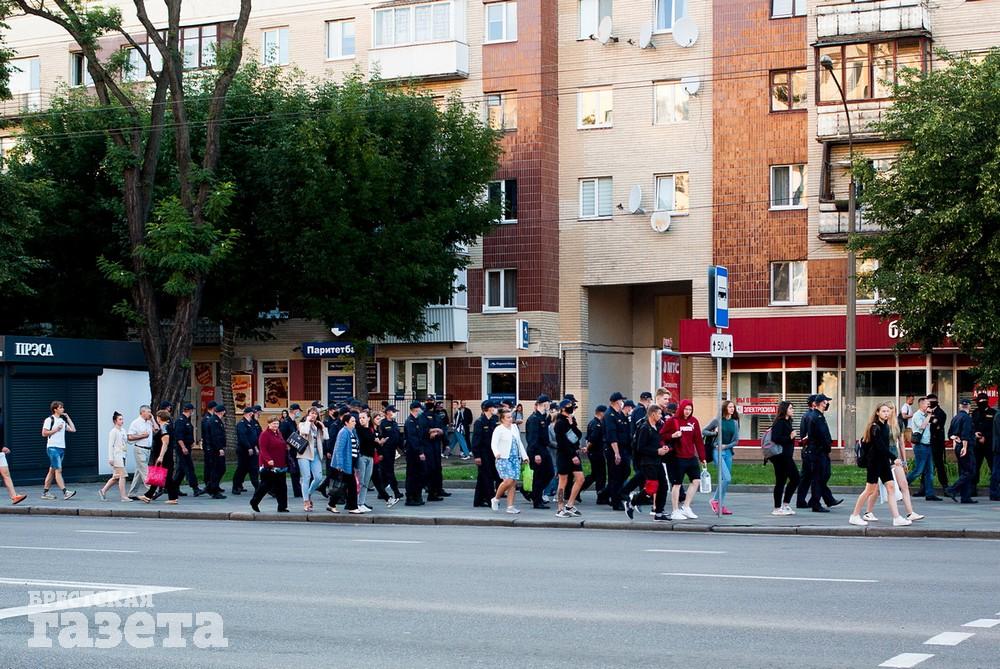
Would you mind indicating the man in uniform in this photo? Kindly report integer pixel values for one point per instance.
(390, 441)
(416, 455)
(598, 476)
(821, 443)
(982, 425)
(937, 422)
(962, 435)
(995, 476)
(482, 450)
(246, 451)
(432, 433)
(617, 449)
(808, 462)
(183, 432)
(208, 454)
(214, 440)
(286, 427)
(537, 435)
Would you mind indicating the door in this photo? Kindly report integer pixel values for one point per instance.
(420, 379)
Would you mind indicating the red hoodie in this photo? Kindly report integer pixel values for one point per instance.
(690, 445)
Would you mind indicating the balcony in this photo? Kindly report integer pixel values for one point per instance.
(831, 121)
(449, 325)
(850, 19)
(20, 103)
(433, 61)
(833, 224)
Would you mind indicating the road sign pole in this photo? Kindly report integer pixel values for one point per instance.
(718, 417)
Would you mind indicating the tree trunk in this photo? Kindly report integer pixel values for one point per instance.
(361, 349)
(227, 352)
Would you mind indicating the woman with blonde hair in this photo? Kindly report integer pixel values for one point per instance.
(311, 460)
(509, 452)
(877, 450)
(898, 448)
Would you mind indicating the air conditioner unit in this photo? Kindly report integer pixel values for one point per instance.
(243, 363)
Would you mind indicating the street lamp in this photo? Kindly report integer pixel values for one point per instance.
(850, 341)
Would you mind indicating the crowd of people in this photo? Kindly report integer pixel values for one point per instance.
(640, 453)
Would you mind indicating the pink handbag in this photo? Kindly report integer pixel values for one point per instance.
(156, 476)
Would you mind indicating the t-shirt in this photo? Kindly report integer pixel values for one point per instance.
(138, 426)
(57, 440)
(919, 422)
(906, 413)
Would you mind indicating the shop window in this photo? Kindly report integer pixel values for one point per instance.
(828, 382)
(873, 388)
(912, 382)
(500, 382)
(756, 389)
(967, 386)
(274, 383)
(943, 385)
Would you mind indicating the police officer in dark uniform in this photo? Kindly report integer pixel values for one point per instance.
(414, 448)
(287, 427)
(432, 433)
(537, 436)
(208, 455)
(214, 440)
(962, 435)
(482, 450)
(938, 421)
(821, 444)
(388, 433)
(183, 432)
(598, 476)
(246, 450)
(982, 424)
(808, 461)
(617, 449)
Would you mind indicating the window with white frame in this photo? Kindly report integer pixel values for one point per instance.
(672, 103)
(788, 186)
(501, 290)
(274, 383)
(783, 9)
(78, 74)
(501, 22)
(275, 47)
(413, 24)
(667, 12)
(25, 81)
(340, 39)
(595, 197)
(789, 283)
(504, 194)
(672, 193)
(594, 108)
(501, 110)
(591, 13)
(864, 269)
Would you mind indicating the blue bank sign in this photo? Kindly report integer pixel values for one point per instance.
(327, 349)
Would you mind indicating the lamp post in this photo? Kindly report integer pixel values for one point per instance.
(850, 340)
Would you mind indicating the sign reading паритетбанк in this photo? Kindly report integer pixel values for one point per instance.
(326, 349)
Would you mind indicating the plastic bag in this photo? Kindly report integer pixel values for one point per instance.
(526, 477)
(705, 483)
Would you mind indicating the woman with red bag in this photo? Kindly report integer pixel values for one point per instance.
(163, 456)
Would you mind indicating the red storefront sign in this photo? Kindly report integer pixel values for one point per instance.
(207, 395)
(668, 371)
(754, 406)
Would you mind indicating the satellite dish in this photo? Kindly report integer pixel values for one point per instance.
(635, 200)
(604, 31)
(685, 32)
(660, 221)
(691, 84)
(646, 36)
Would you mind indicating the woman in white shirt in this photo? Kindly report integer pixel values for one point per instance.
(509, 453)
(117, 448)
(311, 460)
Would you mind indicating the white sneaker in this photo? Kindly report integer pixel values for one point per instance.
(546, 499)
(688, 513)
(513, 509)
(357, 511)
(495, 504)
(914, 516)
(789, 511)
(870, 517)
(899, 521)
(677, 515)
(857, 520)
(779, 512)
(392, 502)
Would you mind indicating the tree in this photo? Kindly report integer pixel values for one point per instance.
(387, 188)
(172, 238)
(939, 210)
(18, 223)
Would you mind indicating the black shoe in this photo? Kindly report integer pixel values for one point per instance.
(134, 498)
(820, 509)
(181, 494)
(933, 498)
(618, 507)
(282, 510)
(629, 510)
(836, 502)
(218, 495)
(534, 506)
(158, 495)
(481, 505)
(802, 506)
(198, 492)
(414, 504)
(435, 499)
(951, 495)
(661, 517)
(254, 506)
(526, 495)
(444, 493)
(970, 501)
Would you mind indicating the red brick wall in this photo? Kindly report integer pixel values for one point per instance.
(748, 139)
(463, 378)
(828, 281)
(539, 375)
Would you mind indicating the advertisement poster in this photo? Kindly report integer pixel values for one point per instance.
(242, 391)
(207, 395)
(204, 373)
(276, 392)
(668, 371)
(757, 406)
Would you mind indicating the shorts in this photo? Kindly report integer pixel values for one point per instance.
(119, 473)
(678, 468)
(565, 466)
(55, 456)
(3, 460)
(879, 471)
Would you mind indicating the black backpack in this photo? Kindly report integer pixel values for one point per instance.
(862, 452)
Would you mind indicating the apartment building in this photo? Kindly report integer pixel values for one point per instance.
(499, 56)
(781, 189)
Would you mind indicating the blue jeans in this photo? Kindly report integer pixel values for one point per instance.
(550, 489)
(923, 465)
(726, 472)
(458, 438)
(365, 467)
(310, 475)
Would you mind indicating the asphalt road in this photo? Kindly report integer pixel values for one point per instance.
(293, 595)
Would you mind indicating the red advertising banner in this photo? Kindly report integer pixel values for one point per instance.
(207, 395)
(668, 372)
(756, 406)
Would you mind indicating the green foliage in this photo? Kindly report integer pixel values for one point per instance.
(18, 223)
(939, 208)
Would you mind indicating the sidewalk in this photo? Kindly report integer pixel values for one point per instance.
(751, 514)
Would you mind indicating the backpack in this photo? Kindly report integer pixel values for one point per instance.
(770, 448)
(862, 451)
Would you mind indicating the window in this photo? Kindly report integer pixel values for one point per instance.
(591, 12)
(78, 74)
(501, 290)
(500, 379)
(413, 24)
(340, 41)
(671, 103)
(789, 284)
(594, 109)
(788, 187)
(25, 81)
(501, 111)
(789, 90)
(274, 380)
(501, 22)
(275, 48)
(672, 193)
(504, 194)
(595, 197)
(199, 46)
(864, 268)
(667, 13)
(782, 9)
(869, 71)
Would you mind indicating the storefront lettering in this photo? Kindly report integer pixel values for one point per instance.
(30, 350)
(895, 332)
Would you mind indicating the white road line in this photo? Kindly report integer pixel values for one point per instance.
(985, 623)
(949, 638)
(906, 660)
(774, 578)
(677, 550)
(72, 550)
(385, 541)
(109, 592)
(103, 532)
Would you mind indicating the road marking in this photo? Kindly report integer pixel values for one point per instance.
(985, 623)
(906, 660)
(73, 550)
(385, 541)
(109, 592)
(677, 550)
(948, 638)
(774, 578)
(103, 532)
